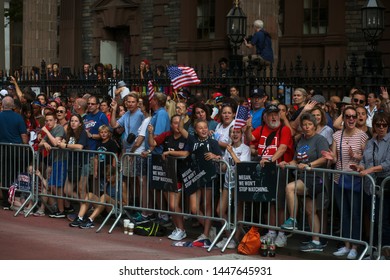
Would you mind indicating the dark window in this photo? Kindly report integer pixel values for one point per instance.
(315, 17)
(205, 21)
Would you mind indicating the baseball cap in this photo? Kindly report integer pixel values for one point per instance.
(3, 92)
(257, 92)
(217, 94)
(346, 100)
(319, 99)
(183, 93)
(271, 108)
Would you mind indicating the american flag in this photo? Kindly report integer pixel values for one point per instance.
(182, 76)
(151, 90)
(242, 116)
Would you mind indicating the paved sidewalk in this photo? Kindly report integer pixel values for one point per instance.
(44, 238)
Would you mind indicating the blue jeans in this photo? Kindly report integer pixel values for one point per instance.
(349, 204)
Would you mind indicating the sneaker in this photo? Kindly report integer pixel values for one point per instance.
(178, 234)
(352, 254)
(341, 252)
(69, 209)
(289, 224)
(201, 237)
(39, 213)
(58, 215)
(87, 224)
(76, 223)
(212, 233)
(26, 210)
(312, 247)
(281, 240)
(231, 245)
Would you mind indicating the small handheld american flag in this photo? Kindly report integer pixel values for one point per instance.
(242, 116)
(151, 90)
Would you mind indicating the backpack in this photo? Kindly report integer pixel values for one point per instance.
(250, 243)
(149, 228)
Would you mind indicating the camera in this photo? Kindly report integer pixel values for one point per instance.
(130, 138)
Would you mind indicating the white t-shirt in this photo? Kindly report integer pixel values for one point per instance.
(243, 152)
(222, 133)
(125, 92)
(142, 132)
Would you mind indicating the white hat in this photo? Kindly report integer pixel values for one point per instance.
(3, 92)
(121, 84)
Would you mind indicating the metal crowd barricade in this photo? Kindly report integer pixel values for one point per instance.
(380, 190)
(144, 196)
(331, 218)
(73, 175)
(15, 159)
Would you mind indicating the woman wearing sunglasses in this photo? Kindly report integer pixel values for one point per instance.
(346, 151)
(376, 161)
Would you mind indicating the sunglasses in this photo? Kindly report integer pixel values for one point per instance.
(360, 101)
(350, 117)
(91, 103)
(60, 111)
(381, 125)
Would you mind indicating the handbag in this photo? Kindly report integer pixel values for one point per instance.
(348, 181)
(250, 243)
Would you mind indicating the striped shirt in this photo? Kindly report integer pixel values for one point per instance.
(357, 142)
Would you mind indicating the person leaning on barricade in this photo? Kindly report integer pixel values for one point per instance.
(347, 149)
(174, 145)
(236, 152)
(274, 144)
(75, 140)
(203, 149)
(308, 184)
(376, 162)
(54, 161)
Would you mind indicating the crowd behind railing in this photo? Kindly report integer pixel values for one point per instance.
(348, 134)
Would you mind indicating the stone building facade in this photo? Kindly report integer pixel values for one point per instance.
(167, 31)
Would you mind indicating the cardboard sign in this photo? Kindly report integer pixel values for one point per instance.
(163, 174)
(255, 183)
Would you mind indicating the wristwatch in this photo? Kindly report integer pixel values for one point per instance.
(309, 164)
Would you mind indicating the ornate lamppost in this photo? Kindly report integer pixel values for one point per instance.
(236, 31)
(373, 26)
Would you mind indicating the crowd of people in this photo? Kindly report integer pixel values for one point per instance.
(350, 134)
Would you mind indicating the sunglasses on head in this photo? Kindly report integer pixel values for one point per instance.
(350, 116)
(381, 125)
(360, 101)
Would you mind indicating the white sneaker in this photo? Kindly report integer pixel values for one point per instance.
(270, 235)
(213, 233)
(341, 252)
(201, 237)
(173, 233)
(281, 240)
(232, 244)
(221, 243)
(178, 235)
(352, 254)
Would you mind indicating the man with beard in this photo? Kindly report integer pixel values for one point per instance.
(279, 148)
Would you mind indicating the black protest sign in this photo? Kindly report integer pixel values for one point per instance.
(196, 172)
(163, 174)
(255, 183)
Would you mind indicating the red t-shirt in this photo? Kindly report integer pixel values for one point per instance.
(282, 136)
